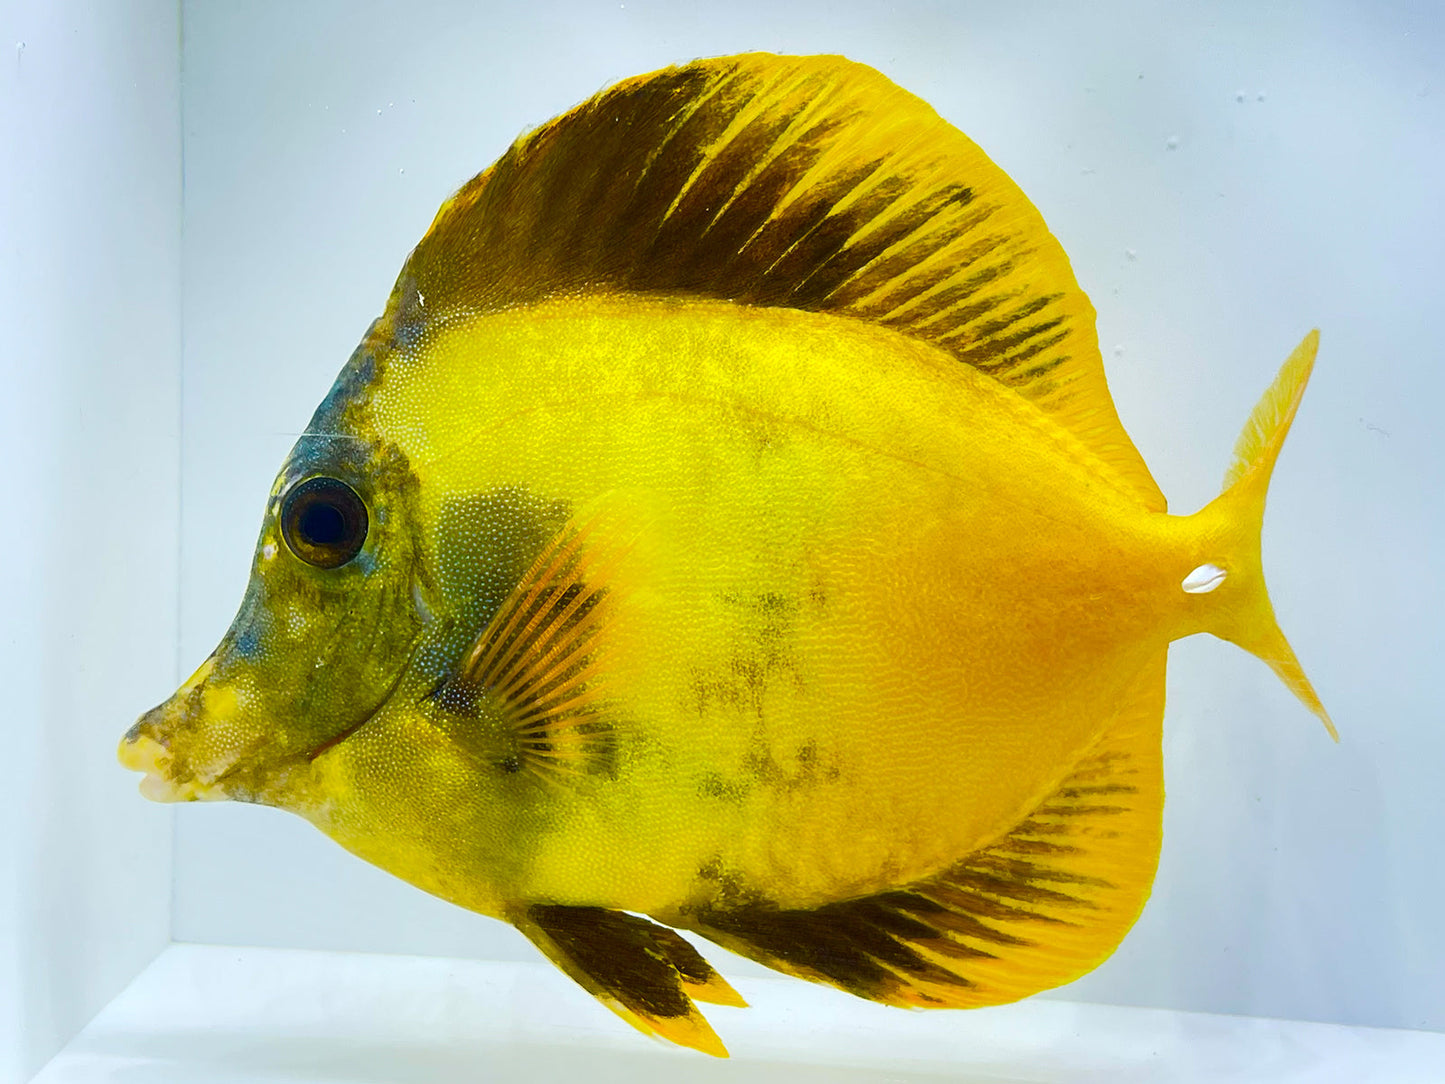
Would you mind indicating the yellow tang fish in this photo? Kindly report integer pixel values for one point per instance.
(727, 522)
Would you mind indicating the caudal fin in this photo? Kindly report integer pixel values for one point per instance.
(1235, 518)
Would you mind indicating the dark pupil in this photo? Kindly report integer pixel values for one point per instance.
(323, 525)
(324, 522)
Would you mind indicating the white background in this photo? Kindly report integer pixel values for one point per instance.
(90, 155)
(1223, 180)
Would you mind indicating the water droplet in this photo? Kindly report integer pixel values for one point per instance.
(1239, 95)
(1118, 351)
(1172, 143)
(402, 170)
(1259, 97)
(1131, 254)
(378, 112)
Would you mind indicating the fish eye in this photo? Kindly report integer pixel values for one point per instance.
(324, 522)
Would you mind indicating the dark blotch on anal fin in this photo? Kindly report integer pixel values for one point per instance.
(1038, 907)
(643, 972)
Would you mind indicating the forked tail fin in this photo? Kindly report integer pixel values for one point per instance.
(1234, 520)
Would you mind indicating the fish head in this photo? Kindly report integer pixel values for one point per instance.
(326, 632)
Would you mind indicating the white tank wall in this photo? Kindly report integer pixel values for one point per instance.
(89, 439)
(1223, 181)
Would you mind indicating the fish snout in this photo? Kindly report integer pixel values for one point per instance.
(146, 748)
(151, 746)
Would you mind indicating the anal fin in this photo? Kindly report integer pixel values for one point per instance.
(643, 972)
(1042, 905)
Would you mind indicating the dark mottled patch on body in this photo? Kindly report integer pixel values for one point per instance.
(761, 768)
(716, 785)
(484, 544)
(724, 888)
(765, 624)
(736, 694)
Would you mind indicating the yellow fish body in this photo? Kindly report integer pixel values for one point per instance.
(727, 521)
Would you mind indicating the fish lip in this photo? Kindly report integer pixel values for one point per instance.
(141, 751)
(146, 748)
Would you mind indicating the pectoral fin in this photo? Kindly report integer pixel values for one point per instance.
(643, 972)
(1042, 905)
(531, 693)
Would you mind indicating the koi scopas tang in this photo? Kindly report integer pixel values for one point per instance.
(728, 522)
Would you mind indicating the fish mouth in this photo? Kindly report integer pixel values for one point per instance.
(141, 751)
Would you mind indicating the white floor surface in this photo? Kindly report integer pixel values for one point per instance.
(201, 1014)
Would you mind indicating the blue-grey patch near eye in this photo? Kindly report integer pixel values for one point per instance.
(410, 313)
(358, 372)
(342, 455)
(247, 643)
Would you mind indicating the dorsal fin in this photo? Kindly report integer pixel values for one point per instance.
(810, 183)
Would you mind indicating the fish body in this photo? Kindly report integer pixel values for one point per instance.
(727, 522)
(799, 547)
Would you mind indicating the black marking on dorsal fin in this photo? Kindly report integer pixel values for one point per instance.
(810, 183)
(1037, 908)
(530, 693)
(641, 971)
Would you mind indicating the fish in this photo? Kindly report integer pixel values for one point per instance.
(726, 528)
